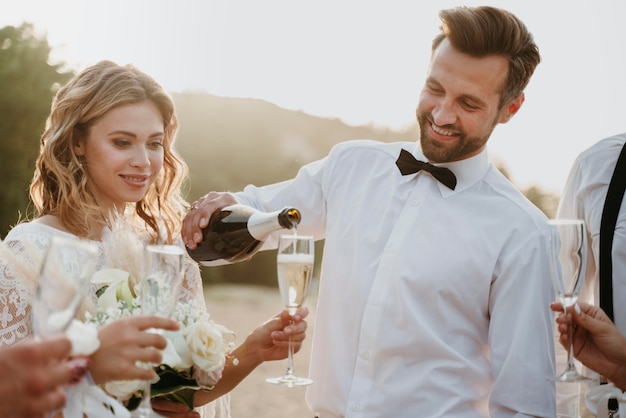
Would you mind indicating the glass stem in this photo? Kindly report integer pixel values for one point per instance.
(145, 407)
(290, 372)
(570, 339)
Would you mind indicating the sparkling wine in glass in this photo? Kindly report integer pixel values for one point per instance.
(159, 290)
(64, 278)
(568, 257)
(295, 265)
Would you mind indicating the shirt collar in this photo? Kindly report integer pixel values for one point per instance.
(468, 171)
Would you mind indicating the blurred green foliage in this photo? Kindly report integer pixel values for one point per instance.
(27, 82)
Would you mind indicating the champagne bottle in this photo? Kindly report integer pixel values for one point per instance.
(235, 232)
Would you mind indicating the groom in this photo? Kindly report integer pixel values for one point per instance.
(435, 291)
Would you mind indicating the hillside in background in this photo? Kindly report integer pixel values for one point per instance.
(231, 142)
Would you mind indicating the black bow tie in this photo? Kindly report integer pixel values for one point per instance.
(408, 164)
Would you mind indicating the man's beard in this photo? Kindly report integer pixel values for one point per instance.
(457, 149)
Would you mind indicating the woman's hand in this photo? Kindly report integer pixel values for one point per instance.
(172, 409)
(33, 373)
(271, 339)
(597, 342)
(124, 343)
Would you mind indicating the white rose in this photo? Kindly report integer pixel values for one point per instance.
(170, 355)
(206, 345)
(207, 379)
(84, 338)
(123, 390)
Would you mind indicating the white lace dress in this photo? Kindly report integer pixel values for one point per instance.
(24, 247)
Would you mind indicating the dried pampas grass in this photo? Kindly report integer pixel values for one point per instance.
(123, 249)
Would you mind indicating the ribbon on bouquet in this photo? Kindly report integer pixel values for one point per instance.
(88, 399)
(598, 400)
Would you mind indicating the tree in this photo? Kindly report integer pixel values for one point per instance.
(28, 82)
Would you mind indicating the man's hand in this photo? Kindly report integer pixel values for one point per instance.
(199, 215)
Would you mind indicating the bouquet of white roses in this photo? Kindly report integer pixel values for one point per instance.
(194, 357)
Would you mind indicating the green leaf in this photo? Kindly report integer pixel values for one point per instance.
(171, 380)
(182, 396)
(133, 403)
(175, 386)
(100, 291)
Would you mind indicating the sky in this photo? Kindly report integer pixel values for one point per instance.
(362, 61)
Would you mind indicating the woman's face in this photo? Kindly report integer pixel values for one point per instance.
(123, 153)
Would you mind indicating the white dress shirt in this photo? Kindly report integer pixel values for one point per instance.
(583, 198)
(432, 302)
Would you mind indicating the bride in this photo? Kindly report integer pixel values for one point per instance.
(107, 151)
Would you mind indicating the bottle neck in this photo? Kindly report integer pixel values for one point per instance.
(261, 224)
(289, 218)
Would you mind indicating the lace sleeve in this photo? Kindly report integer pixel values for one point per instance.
(192, 288)
(18, 277)
(15, 312)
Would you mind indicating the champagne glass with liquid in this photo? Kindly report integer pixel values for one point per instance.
(568, 257)
(295, 266)
(159, 290)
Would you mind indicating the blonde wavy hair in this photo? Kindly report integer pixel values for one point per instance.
(483, 31)
(61, 187)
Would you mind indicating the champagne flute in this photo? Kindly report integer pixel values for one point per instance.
(568, 257)
(64, 278)
(159, 289)
(295, 266)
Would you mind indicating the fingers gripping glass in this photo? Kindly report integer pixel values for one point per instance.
(159, 290)
(568, 256)
(295, 266)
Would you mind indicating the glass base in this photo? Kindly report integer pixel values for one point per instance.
(571, 376)
(289, 381)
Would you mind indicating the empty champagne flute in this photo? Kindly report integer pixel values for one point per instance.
(64, 276)
(568, 257)
(159, 290)
(295, 266)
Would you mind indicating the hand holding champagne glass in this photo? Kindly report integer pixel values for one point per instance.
(295, 266)
(159, 289)
(568, 256)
